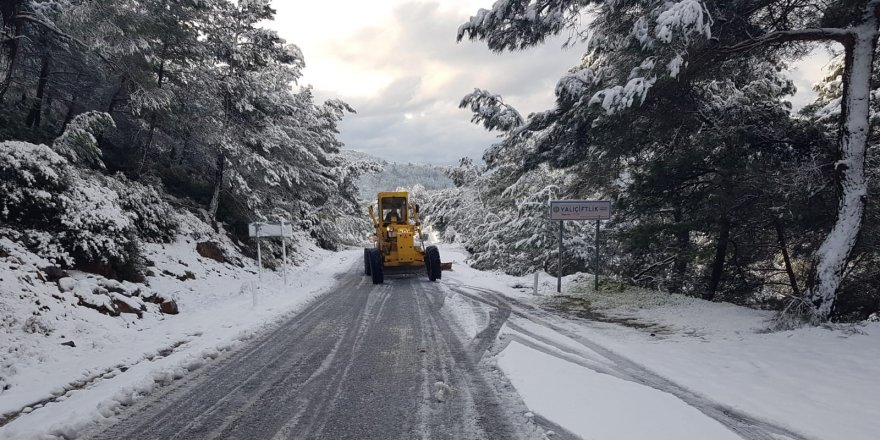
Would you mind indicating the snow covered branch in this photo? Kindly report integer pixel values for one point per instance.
(518, 24)
(842, 36)
(63, 35)
(491, 111)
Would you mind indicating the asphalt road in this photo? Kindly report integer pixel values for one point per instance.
(362, 362)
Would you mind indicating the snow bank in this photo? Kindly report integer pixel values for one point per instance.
(47, 388)
(818, 382)
(600, 406)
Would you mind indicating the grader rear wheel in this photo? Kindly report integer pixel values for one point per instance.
(377, 266)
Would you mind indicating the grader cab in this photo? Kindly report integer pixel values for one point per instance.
(398, 229)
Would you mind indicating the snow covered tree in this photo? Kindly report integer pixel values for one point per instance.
(635, 50)
(203, 98)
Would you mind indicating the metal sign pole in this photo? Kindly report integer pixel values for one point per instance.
(259, 270)
(259, 257)
(579, 210)
(597, 255)
(559, 266)
(284, 253)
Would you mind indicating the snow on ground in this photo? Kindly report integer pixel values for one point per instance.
(817, 382)
(117, 359)
(470, 317)
(608, 408)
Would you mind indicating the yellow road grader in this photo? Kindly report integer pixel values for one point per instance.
(397, 229)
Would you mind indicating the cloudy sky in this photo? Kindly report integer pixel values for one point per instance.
(397, 63)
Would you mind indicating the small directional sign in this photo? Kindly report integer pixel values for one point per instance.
(266, 230)
(580, 209)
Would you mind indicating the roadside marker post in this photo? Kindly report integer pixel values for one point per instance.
(284, 254)
(579, 210)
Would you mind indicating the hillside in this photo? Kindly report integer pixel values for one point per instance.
(397, 174)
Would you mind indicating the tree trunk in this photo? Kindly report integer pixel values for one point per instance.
(111, 107)
(783, 245)
(8, 10)
(218, 183)
(71, 112)
(720, 256)
(150, 134)
(35, 115)
(833, 254)
(682, 245)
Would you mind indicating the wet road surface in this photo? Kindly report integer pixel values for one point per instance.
(363, 362)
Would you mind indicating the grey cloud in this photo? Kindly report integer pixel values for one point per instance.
(419, 42)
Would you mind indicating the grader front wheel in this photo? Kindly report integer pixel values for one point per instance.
(366, 261)
(432, 263)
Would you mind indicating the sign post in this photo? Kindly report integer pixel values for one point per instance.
(559, 265)
(597, 256)
(579, 210)
(259, 255)
(260, 230)
(284, 254)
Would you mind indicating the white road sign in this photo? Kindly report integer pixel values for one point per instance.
(265, 229)
(580, 209)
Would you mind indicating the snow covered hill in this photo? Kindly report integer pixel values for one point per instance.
(397, 174)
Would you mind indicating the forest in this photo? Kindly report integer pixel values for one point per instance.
(114, 115)
(678, 112)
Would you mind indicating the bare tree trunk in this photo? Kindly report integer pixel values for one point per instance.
(8, 10)
(720, 256)
(834, 253)
(153, 116)
(111, 106)
(35, 115)
(71, 112)
(218, 184)
(682, 241)
(783, 245)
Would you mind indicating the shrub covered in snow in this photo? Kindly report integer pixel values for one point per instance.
(32, 178)
(150, 214)
(78, 141)
(95, 227)
(71, 216)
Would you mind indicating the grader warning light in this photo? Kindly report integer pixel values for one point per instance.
(397, 227)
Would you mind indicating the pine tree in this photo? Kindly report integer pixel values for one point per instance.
(635, 50)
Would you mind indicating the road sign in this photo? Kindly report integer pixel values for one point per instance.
(270, 230)
(580, 209)
(267, 229)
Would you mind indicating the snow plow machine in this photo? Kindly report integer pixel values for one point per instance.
(397, 229)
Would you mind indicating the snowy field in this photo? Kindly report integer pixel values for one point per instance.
(52, 390)
(662, 366)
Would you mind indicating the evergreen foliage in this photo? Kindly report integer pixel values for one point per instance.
(677, 112)
(142, 97)
(192, 97)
